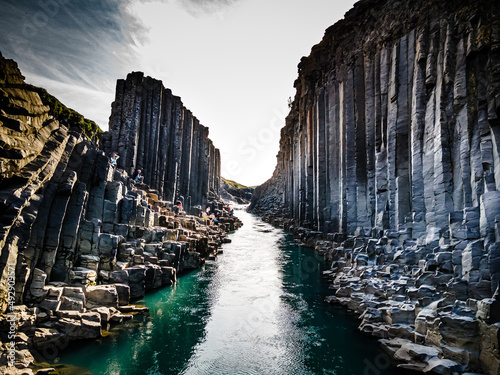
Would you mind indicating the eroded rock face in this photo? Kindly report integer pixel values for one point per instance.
(389, 165)
(151, 130)
(26, 126)
(78, 238)
(395, 125)
(233, 192)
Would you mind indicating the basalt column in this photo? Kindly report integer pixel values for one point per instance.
(394, 126)
(151, 130)
(70, 220)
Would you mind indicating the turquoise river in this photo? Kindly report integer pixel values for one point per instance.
(258, 309)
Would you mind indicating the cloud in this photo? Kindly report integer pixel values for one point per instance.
(88, 44)
(201, 7)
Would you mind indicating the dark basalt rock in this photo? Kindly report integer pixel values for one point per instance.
(233, 192)
(395, 124)
(151, 130)
(78, 238)
(394, 135)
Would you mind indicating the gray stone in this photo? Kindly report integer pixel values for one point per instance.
(108, 243)
(123, 294)
(442, 366)
(87, 326)
(72, 303)
(137, 282)
(45, 337)
(169, 275)
(101, 295)
(50, 305)
(490, 208)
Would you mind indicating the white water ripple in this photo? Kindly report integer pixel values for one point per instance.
(250, 329)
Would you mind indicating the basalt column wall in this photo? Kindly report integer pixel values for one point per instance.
(151, 130)
(395, 125)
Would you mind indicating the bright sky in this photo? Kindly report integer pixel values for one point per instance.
(233, 62)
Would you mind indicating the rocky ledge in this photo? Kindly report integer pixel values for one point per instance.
(79, 239)
(426, 317)
(145, 256)
(235, 192)
(389, 165)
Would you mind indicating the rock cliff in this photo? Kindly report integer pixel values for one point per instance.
(234, 192)
(79, 238)
(151, 130)
(395, 122)
(389, 163)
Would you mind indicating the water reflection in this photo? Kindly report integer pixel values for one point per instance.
(257, 309)
(249, 330)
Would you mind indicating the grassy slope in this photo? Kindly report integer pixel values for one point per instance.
(234, 185)
(68, 115)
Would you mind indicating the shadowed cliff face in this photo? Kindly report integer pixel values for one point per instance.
(389, 164)
(151, 130)
(395, 124)
(69, 219)
(35, 150)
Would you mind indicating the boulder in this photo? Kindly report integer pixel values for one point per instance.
(90, 262)
(123, 294)
(87, 326)
(45, 337)
(49, 305)
(460, 331)
(420, 353)
(75, 292)
(72, 303)
(37, 285)
(101, 295)
(105, 314)
(191, 260)
(169, 275)
(136, 282)
(488, 310)
(54, 292)
(442, 366)
(404, 314)
(490, 337)
(471, 259)
(108, 245)
(121, 230)
(404, 331)
(82, 276)
(153, 277)
(120, 276)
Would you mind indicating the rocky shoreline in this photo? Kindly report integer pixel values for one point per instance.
(80, 240)
(426, 318)
(149, 254)
(389, 166)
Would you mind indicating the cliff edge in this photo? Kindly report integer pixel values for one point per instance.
(389, 165)
(79, 238)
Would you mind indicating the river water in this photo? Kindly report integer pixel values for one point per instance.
(258, 309)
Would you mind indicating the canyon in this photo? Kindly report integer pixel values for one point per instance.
(80, 239)
(389, 165)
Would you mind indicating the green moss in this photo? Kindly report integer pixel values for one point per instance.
(105, 333)
(67, 115)
(232, 184)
